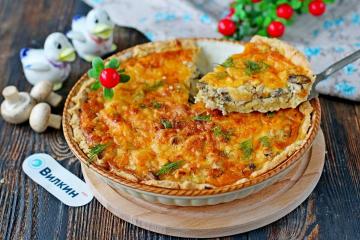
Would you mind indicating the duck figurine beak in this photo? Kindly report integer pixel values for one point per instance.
(67, 55)
(103, 31)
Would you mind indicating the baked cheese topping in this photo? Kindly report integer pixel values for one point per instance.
(152, 133)
(257, 64)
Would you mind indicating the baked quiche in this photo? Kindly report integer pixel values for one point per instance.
(149, 132)
(267, 76)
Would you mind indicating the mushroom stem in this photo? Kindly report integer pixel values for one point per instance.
(54, 121)
(11, 94)
(54, 99)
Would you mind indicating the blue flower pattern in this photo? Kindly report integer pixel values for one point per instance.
(345, 83)
(97, 1)
(312, 51)
(164, 16)
(205, 19)
(350, 69)
(345, 88)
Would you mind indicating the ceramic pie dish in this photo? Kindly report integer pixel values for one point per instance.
(255, 174)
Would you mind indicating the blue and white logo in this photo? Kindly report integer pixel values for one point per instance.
(36, 163)
(57, 180)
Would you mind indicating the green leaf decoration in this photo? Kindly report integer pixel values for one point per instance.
(96, 150)
(305, 6)
(98, 64)
(108, 93)
(295, 4)
(267, 21)
(246, 148)
(124, 78)
(166, 123)
(95, 86)
(278, 2)
(93, 73)
(169, 167)
(113, 63)
(262, 32)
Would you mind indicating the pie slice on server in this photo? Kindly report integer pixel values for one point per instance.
(267, 76)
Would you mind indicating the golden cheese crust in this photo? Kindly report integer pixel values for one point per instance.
(267, 76)
(153, 135)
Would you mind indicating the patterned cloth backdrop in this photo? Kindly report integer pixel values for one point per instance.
(324, 40)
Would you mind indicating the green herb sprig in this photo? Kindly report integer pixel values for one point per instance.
(246, 148)
(156, 105)
(169, 167)
(166, 123)
(154, 86)
(265, 141)
(95, 151)
(229, 62)
(218, 132)
(253, 67)
(205, 118)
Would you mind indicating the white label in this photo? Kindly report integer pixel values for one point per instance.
(57, 180)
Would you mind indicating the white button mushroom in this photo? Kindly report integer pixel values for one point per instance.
(42, 92)
(16, 107)
(41, 118)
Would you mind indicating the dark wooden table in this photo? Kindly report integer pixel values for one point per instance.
(27, 211)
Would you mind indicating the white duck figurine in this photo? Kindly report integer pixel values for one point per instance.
(92, 35)
(50, 63)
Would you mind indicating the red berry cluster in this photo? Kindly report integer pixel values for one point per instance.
(239, 22)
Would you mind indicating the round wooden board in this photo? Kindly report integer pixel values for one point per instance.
(235, 217)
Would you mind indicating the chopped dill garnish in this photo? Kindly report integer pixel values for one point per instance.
(253, 67)
(265, 141)
(96, 150)
(228, 63)
(270, 114)
(154, 86)
(205, 118)
(156, 104)
(166, 123)
(218, 132)
(246, 148)
(169, 167)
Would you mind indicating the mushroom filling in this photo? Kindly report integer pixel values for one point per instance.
(222, 97)
(268, 75)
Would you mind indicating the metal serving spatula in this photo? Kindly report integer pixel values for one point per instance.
(332, 69)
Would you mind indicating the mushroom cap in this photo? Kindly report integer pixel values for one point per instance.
(41, 90)
(17, 106)
(39, 117)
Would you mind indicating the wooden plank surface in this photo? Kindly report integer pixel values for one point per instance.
(27, 211)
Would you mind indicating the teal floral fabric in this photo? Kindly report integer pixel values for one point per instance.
(323, 40)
